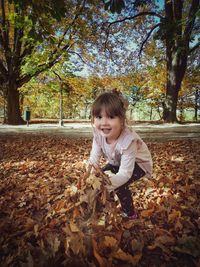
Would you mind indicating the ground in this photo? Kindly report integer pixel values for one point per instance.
(46, 219)
(158, 132)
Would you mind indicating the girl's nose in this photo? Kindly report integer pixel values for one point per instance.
(104, 120)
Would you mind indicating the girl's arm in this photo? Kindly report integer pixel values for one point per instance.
(95, 153)
(126, 167)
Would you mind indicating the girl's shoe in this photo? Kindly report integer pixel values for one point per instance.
(131, 217)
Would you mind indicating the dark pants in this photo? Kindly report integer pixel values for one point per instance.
(123, 192)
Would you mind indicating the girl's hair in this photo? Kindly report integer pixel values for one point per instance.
(113, 102)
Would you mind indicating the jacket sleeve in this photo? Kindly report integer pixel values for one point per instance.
(95, 153)
(126, 167)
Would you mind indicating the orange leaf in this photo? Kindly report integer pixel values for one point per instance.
(76, 213)
(147, 213)
(59, 205)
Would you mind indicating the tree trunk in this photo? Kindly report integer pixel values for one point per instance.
(61, 122)
(176, 67)
(196, 107)
(176, 56)
(181, 109)
(170, 105)
(13, 114)
(151, 112)
(86, 110)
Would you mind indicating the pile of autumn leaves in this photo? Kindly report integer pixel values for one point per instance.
(54, 212)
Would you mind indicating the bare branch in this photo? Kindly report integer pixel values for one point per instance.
(27, 51)
(60, 79)
(78, 13)
(191, 19)
(147, 37)
(134, 17)
(194, 47)
(81, 58)
(130, 18)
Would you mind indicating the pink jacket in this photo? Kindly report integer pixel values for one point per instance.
(130, 148)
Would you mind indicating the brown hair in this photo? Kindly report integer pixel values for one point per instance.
(113, 103)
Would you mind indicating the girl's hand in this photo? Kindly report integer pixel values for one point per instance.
(109, 173)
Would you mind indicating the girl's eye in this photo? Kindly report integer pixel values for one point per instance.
(111, 117)
(98, 117)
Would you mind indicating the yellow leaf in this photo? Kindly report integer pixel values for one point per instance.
(102, 220)
(96, 184)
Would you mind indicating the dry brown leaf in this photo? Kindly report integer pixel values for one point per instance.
(162, 241)
(110, 241)
(137, 245)
(121, 255)
(39, 195)
(147, 213)
(73, 227)
(101, 260)
(174, 215)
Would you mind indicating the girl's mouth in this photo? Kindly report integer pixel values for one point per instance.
(106, 130)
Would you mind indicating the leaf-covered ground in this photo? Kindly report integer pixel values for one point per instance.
(48, 218)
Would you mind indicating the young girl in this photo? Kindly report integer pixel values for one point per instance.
(128, 156)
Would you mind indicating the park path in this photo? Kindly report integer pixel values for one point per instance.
(149, 132)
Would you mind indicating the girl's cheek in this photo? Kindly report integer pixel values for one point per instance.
(96, 122)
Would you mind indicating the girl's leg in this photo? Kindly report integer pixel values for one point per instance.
(125, 198)
(123, 192)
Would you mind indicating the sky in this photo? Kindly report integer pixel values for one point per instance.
(86, 69)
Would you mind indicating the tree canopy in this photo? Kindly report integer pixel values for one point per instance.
(34, 36)
(176, 25)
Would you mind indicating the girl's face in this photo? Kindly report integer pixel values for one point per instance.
(109, 127)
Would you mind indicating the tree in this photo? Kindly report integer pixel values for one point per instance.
(189, 94)
(178, 27)
(34, 36)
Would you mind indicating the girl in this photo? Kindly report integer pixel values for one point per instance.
(128, 156)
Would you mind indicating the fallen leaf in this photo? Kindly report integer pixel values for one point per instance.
(101, 260)
(121, 255)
